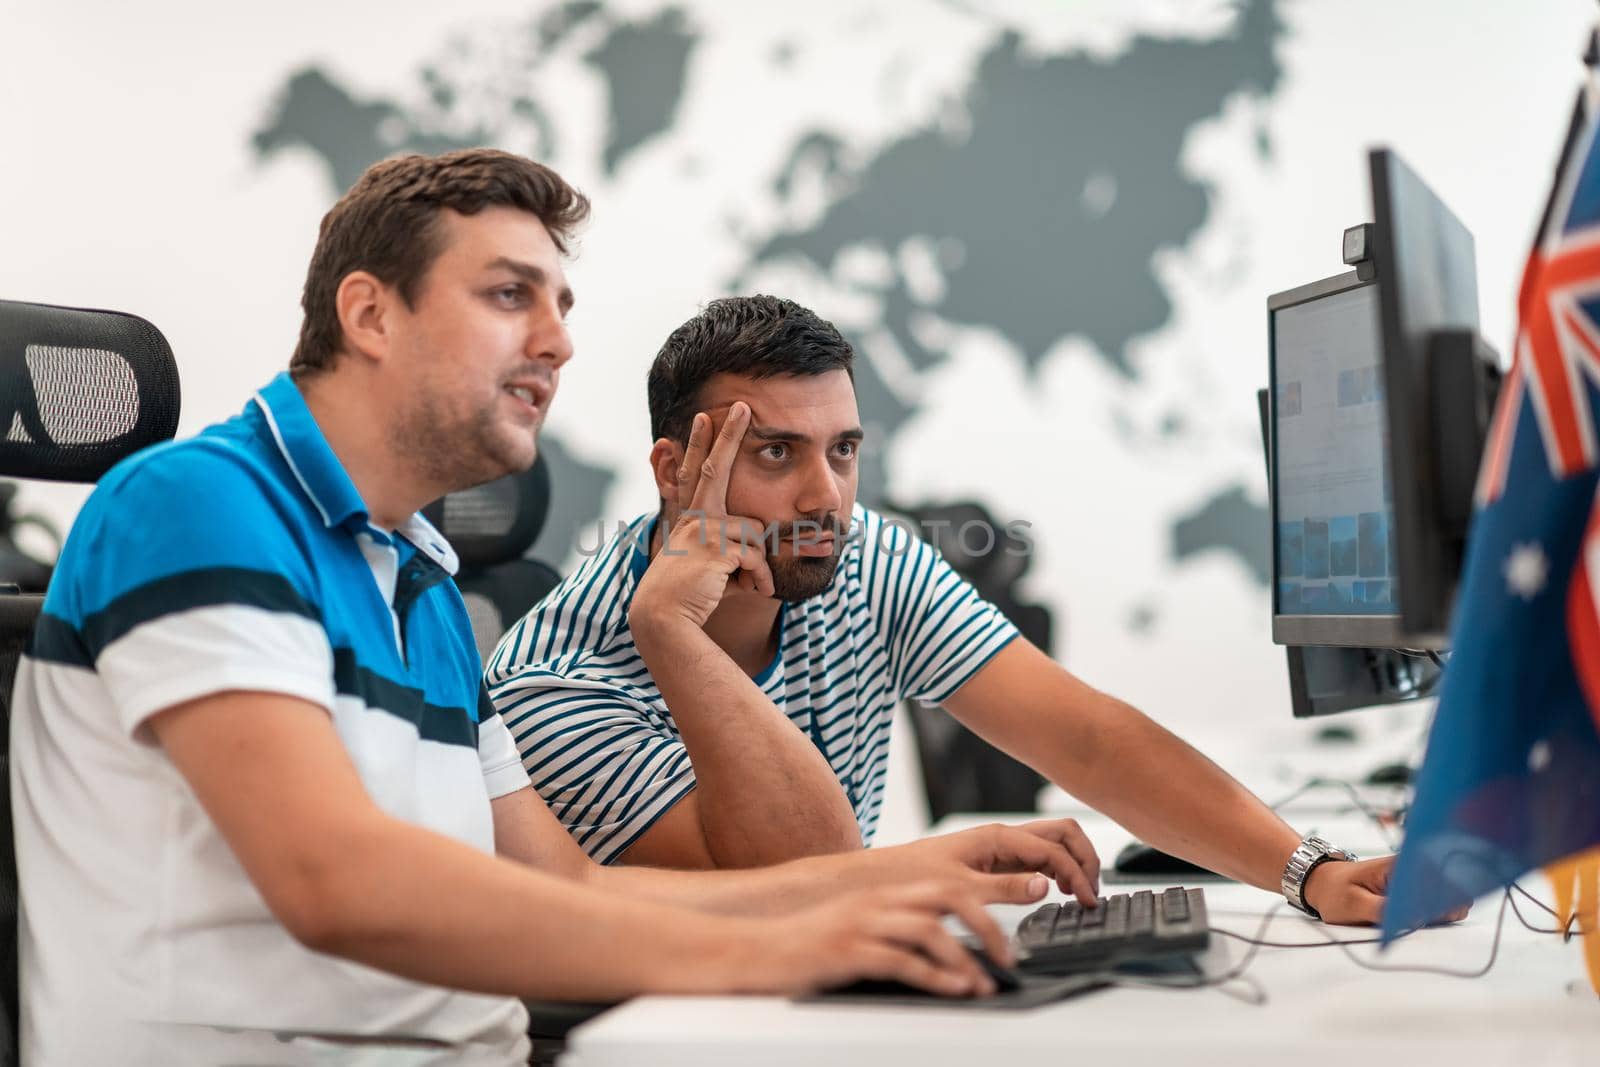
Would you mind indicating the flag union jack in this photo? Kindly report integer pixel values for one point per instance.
(1556, 369)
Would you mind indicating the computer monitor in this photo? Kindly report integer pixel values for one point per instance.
(1439, 383)
(1334, 573)
(1325, 679)
(1380, 393)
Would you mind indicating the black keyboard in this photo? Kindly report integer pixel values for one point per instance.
(1127, 928)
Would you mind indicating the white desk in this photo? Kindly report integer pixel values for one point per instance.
(1533, 1008)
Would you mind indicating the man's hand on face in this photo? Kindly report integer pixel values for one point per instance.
(1352, 893)
(894, 934)
(707, 551)
(1000, 862)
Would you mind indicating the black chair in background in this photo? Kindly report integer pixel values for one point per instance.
(79, 390)
(960, 771)
(491, 526)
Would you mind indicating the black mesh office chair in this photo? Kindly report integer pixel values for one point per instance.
(960, 771)
(79, 390)
(490, 527)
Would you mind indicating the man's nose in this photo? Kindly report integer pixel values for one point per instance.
(550, 339)
(819, 495)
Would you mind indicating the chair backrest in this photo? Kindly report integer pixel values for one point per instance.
(79, 390)
(961, 771)
(491, 527)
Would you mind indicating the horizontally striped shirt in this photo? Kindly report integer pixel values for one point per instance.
(600, 743)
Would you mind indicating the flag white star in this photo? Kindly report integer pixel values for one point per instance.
(1525, 570)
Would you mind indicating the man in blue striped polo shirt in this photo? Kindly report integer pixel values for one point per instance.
(714, 687)
(264, 812)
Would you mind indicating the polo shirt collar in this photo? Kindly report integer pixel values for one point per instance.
(323, 478)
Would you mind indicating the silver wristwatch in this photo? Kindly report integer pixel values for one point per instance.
(1312, 851)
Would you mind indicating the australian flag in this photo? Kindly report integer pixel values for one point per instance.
(1512, 776)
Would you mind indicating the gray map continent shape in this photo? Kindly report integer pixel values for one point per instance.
(644, 65)
(1035, 264)
(1232, 521)
(349, 135)
(917, 187)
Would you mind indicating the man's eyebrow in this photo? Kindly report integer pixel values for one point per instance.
(534, 276)
(774, 433)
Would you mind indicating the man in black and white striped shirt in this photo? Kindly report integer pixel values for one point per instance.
(714, 686)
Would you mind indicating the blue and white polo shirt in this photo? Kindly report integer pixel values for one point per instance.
(600, 743)
(241, 559)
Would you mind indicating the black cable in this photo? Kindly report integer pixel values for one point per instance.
(1203, 980)
(1566, 930)
(1258, 942)
(1379, 819)
(1295, 944)
(1494, 952)
(1539, 929)
(1343, 944)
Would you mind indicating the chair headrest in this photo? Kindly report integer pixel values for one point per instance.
(496, 521)
(80, 389)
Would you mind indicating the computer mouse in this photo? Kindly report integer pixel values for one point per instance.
(1391, 774)
(1146, 861)
(1338, 734)
(1005, 981)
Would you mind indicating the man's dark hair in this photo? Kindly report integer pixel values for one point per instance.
(388, 225)
(753, 336)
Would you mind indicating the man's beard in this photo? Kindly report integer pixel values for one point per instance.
(455, 452)
(796, 578)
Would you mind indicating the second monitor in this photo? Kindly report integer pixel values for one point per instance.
(1380, 394)
(1332, 501)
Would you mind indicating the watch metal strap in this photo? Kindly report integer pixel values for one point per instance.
(1311, 852)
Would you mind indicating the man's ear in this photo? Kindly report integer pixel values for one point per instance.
(364, 307)
(666, 456)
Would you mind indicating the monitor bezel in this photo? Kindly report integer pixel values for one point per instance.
(1362, 631)
(1427, 599)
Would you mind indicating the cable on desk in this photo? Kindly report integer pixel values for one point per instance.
(1295, 944)
(1258, 995)
(1566, 930)
(1344, 943)
(1494, 953)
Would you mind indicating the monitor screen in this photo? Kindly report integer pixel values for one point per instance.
(1331, 495)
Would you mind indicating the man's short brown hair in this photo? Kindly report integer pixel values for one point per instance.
(388, 225)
